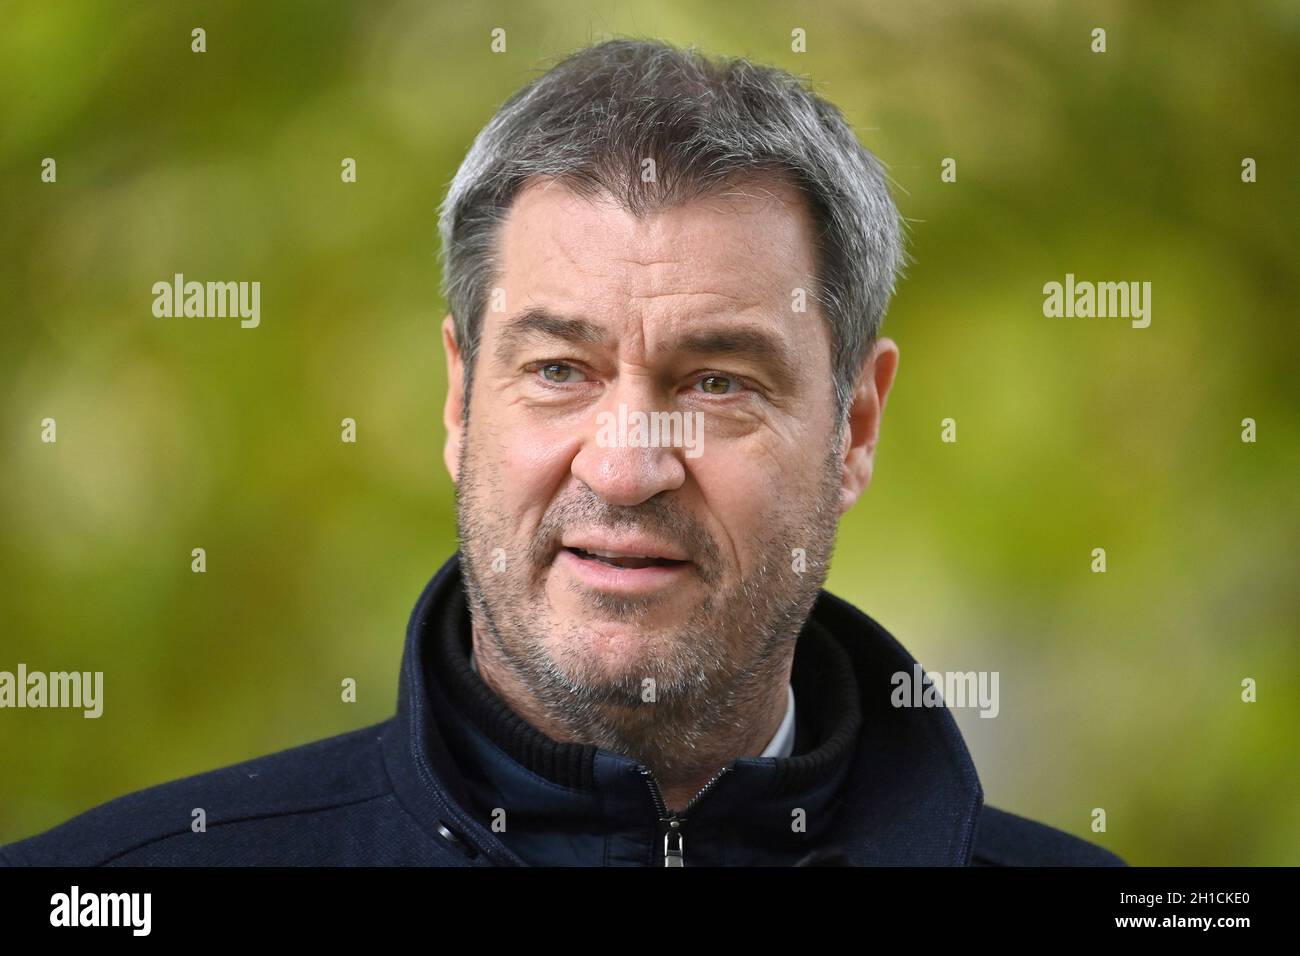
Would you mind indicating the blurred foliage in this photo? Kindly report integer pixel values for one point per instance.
(1118, 690)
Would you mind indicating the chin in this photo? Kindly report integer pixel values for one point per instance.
(609, 651)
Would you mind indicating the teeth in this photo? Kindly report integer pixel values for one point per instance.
(615, 554)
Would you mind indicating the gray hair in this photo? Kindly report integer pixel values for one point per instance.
(591, 120)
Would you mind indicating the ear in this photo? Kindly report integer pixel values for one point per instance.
(453, 410)
(865, 411)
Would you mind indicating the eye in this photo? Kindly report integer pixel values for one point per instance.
(559, 373)
(719, 384)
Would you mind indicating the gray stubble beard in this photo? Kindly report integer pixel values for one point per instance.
(708, 693)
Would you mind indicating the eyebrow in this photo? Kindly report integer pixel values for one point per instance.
(538, 323)
(740, 341)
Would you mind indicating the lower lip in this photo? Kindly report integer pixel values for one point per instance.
(628, 580)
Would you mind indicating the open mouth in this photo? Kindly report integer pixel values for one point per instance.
(621, 561)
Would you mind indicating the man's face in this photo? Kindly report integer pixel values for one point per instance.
(692, 310)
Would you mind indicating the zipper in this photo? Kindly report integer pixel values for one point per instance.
(672, 823)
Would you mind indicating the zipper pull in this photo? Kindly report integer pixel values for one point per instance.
(674, 844)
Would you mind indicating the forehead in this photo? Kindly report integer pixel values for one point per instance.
(745, 248)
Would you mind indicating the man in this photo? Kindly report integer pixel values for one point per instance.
(666, 278)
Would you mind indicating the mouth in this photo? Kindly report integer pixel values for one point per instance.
(616, 560)
(621, 572)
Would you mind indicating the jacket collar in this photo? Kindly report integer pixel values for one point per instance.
(883, 785)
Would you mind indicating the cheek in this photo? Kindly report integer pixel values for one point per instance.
(532, 462)
(740, 494)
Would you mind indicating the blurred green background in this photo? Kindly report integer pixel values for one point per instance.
(1118, 690)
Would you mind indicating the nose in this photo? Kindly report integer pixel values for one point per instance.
(619, 460)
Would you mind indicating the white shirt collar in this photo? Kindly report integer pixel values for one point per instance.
(783, 742)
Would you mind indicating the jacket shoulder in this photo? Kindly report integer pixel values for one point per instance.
(1005, 839)
(156, 825)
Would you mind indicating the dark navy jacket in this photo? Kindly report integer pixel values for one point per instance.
(457, 779)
